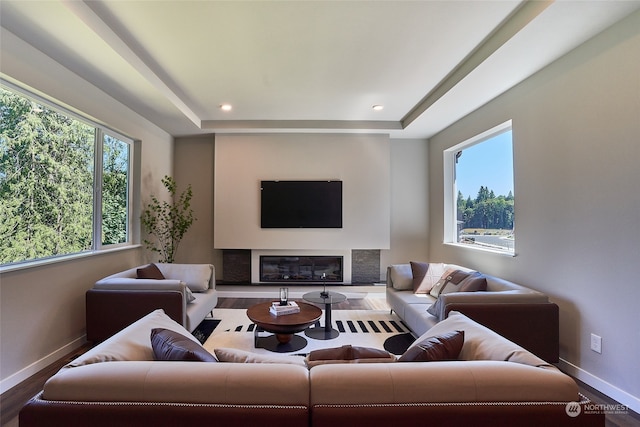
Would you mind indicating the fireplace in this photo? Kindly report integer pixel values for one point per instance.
(301, 269)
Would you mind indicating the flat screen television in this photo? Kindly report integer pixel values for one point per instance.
(301, 204)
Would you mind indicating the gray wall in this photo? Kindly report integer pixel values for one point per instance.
(193, 164)
(576, 133)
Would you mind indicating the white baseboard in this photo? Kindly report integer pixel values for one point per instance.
(23, 374)
(620, 396)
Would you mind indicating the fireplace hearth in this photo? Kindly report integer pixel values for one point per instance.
(301, 269)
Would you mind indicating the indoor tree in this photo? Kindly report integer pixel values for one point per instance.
(168, 222)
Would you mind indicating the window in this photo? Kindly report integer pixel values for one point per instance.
(480, 191)
(115, 190)
(63, 181)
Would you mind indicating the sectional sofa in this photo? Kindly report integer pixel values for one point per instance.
(492, 382)
(186, 292)
(518, 313)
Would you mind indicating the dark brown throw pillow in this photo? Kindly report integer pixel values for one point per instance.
(348, 354)
(151, 271)
(170, 345)
(458, 276)
(462, 281)
(440, 347)
(418, 270)
(474, 283)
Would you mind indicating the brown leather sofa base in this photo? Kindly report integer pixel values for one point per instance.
(41, 413)
(452, 415)
(63, 414)
(108, 312)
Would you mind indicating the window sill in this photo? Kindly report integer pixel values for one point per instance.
(63, 258)
(481, 249)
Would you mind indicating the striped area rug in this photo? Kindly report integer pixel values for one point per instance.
(366, 328)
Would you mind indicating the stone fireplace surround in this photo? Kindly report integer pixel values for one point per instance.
(307, 269)
(242, 266)
(256, 254)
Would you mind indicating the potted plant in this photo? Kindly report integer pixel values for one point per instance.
(168, 222)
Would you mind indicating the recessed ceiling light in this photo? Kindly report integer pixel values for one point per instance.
(378, 107)
(226, 107)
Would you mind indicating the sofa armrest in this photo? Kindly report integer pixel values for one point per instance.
(496, 297)
(535, 327)
(126, 284)
(486, 297)
(110, 311)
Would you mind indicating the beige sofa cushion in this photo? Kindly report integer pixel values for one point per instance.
(233, 355)
(456, 381)
(132, 343)
(196, 276)
(481, 343)
(182, 382)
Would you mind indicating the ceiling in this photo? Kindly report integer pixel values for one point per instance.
(307, 66)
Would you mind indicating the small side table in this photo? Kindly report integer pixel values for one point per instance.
(326, 332)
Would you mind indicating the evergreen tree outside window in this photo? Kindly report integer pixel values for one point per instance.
(50, 162)
(115, 194)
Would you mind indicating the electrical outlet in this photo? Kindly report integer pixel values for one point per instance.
(596, 343)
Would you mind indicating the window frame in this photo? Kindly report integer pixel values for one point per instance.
(101, 130)
(450, 225)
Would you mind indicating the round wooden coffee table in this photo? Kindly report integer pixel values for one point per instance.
(283, 327)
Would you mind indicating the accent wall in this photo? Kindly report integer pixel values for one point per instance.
(361, 162)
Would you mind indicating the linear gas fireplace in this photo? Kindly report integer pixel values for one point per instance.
(303, 269)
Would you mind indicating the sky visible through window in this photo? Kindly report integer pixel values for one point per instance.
(497, 154)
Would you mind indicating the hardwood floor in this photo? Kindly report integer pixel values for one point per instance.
(12, 400)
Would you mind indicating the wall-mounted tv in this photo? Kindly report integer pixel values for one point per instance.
(301, 204)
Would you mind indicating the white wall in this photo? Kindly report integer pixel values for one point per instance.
(576, 133)
(42, 311)
(362, 162)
